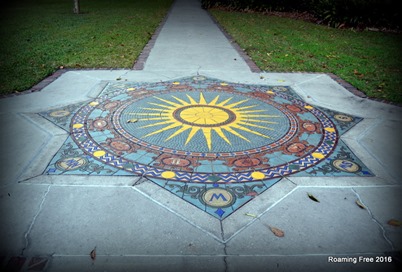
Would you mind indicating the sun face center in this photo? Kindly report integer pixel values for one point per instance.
(204, 115)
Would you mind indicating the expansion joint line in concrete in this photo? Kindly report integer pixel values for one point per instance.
(250, 63)
(177, 214)
(26, 235)
(144, 54)
(384, 234)
(38, 151)
(259, 216)
(224, 248)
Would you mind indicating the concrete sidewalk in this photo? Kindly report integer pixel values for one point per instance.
(52, 222)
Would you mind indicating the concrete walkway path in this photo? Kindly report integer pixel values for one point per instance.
(53, 222)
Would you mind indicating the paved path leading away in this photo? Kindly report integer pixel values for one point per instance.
(56, 211)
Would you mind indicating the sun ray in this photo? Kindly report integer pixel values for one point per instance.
(153, 118)
(193, 131)
(184, 103)
(237, 103)
(154, 109)
(254, 125)
(245, 107)
(202, 99)
(160, 105)
(154, 114)
(191, 114)
(168, 102)
(250, 111)
(207, 134)
(251, 131)
(177, 132)
(192, 101)
(219, 131)
(229, 129)
(163, 129)
(224, 102)
(157, 124)
(261, 121)
(213, 102)
(261, 115)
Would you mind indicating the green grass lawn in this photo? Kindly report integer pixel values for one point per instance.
(37, 37)
(370, 61)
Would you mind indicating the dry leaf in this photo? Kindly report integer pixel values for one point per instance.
(312, 197)
(132, 120)
(251, 215)
(360, 204)
(277, 231)
(394, 222)
(93, 254)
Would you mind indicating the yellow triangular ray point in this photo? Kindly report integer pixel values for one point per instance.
(229, 129)
(184, 103)
(254, 125)
(157, 124)
(202, 99)
(192, 101)
(163, 129)
(179, 131)
(251, 131)
(207, 135)
(154, 114)
(245, 107)
(193, 131)
(219, 131)
(258, 121)
(160, 105)
(237, 103)
(249, 111)
(224, 102)
(167, 101)
(262, 115)
(155, 109)
(213, 102)
(153, 118)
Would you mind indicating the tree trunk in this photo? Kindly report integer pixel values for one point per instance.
(76, 8)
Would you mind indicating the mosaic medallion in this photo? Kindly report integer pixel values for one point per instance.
(214, 144)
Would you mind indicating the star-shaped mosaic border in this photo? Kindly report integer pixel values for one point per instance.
(108, 136)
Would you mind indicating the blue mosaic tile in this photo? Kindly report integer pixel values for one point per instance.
(215, 144)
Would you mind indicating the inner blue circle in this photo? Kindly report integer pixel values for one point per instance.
(152, 120)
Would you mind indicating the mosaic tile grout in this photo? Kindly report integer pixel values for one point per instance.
(189, 135)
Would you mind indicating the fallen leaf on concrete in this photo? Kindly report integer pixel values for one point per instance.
(132, 120)
(394, 222)
(313, 198)
(360, 204)
(251, 215)
(277, 232)
(93, 254)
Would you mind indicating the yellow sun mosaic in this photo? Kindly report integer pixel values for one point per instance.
(198, 115)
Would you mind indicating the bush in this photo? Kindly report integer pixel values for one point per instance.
(258, 5)
(350, 13)
(357, 13)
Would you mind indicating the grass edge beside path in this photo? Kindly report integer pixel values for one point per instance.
(369, 61)
(38, 38)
